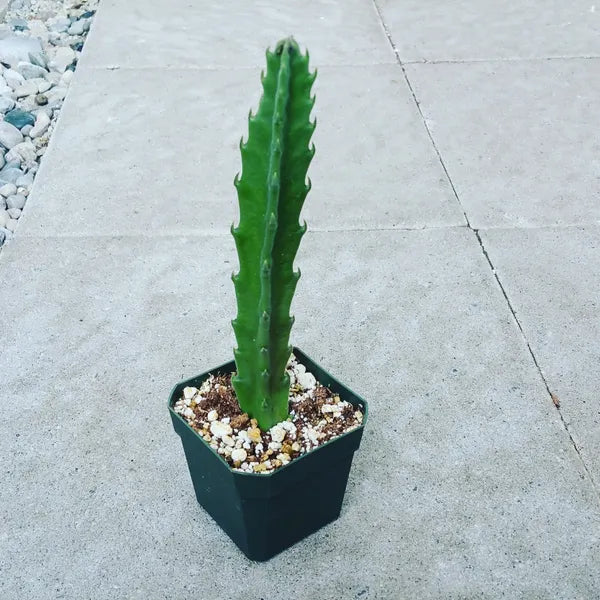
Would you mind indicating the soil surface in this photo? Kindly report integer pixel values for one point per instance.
(317, 415)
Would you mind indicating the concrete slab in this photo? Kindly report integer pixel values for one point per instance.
(466, 485)
(234, 34)
(160, 167)
(475, 30)
(552, 277)
(515, 138)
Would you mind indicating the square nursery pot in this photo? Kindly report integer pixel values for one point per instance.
(265, 514)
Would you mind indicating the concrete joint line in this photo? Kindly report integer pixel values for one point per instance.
(536, 363)
(485, 254)
(414, 96)
(468, 61)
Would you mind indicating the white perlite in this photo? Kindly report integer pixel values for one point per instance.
(239, 439)
(40, 44)
(239, 455)
(220, 429)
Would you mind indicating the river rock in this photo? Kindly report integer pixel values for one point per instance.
(25, 151)
(29, 88)
(19, 118)
(13, 78)
(30, 71)
(9, 135)
(53, 77)
(10, 174)
(39, 58)
(16, 201)
(6, 104)
(8, 189)
(25, 181)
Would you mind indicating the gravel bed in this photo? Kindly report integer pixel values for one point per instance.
(40, 44)
(317, 415)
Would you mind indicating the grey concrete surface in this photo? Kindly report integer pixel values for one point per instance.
(553, 278)
(466, 484)
(235, 34)
(476, 30)
(139, 136)
(470, 484)
(516, 138)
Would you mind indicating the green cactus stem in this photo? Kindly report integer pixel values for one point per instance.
(271, 192)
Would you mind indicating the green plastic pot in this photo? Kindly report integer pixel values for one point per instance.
(265, 514)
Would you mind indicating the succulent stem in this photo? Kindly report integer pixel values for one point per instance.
(271, 192)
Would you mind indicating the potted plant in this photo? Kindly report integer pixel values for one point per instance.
(269, 437)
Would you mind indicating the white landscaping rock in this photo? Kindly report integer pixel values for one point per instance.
(6, 103)
(14, 49)
(36, 68)
(16, 201)
(56, 95)
(38, 29)
(64, 57)
(42, 122)
(25, 181)
(53, 77)
(59, 24)
(13, 78)
(8, 189)
(66, 77)
(30, 71)
(28, 88)
(24, 152)
(10, 136)
(77, 28)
